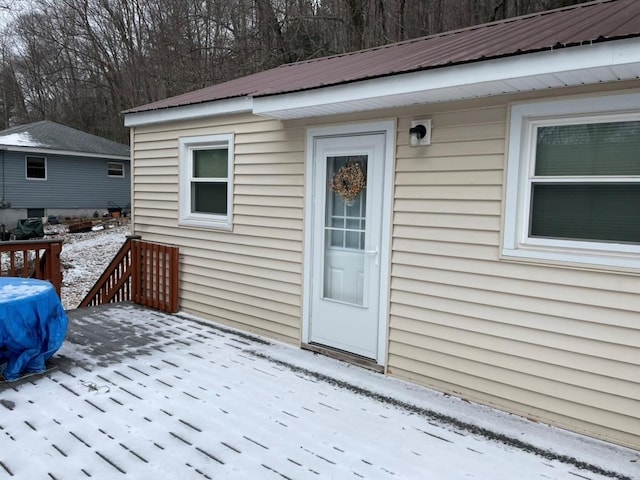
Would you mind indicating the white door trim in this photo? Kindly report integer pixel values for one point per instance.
(388, 128)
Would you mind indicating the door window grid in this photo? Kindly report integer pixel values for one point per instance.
(346, 221)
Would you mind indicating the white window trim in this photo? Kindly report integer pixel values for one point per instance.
(525, 118)
(26, 168)
(187, 146)
(115, 163)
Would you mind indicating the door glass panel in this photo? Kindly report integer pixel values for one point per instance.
(345, 225)
(337, 237)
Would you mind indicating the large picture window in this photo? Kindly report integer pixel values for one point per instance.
(36, 168)
(573, 187)
(206, 185)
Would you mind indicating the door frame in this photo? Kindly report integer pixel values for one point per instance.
(388, 128)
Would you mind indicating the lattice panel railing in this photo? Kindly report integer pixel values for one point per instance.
(144, 272)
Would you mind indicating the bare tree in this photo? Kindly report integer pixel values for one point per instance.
(81, 62)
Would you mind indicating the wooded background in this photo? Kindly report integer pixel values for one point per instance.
(82, 62)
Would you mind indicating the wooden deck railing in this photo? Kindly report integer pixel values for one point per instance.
(144, 272)
(33, 259)
(155, 276)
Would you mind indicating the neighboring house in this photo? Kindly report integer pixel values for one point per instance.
(48, 169)
(496, 259)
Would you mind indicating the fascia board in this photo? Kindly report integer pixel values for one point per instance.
(188, 112)
(68, 153)
(464, 77)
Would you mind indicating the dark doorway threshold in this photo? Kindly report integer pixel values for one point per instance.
(344, 356)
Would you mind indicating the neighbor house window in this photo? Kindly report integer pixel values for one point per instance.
(573, 182)
(36, 168)
(35, 212)
(115, 169)
(206, 181)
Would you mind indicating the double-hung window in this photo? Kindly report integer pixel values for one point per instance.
(35, 168)
(206, 181)
(573, 182)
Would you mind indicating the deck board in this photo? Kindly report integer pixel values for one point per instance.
(141, 394)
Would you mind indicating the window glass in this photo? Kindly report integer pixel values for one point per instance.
(345, 218)
(209, 198)
(115, 169)
(36, 167)
(35, 212)
(588, 212)
(210, 163)
(591, 149)
(599, 210)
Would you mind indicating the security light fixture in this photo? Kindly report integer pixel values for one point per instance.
(420, 133)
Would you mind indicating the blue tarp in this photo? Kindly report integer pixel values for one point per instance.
(33, 325)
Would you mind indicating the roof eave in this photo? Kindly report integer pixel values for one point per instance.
(188, 112)
(601, 62)
(70, 153)
(593, 63)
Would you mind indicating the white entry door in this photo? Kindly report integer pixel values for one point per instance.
(344, 310)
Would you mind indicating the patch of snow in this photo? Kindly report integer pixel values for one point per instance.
(18, 289)
(23, 139)
(85, 256)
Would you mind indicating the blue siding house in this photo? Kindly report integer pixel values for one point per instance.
(48, 169)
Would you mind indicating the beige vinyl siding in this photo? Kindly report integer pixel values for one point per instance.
(558, 343)
(249, 278)
(552, 342)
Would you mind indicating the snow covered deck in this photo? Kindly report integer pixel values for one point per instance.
(141, 394)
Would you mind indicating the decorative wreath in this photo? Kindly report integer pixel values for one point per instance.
(349, 181)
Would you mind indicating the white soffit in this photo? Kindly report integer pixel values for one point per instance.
(582, 65)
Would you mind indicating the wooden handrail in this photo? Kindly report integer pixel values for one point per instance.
(42, 260)
(114, 280)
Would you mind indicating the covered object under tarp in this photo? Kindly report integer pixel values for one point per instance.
(28, 228)
(33, 325)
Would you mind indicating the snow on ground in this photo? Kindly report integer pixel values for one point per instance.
(86, 255)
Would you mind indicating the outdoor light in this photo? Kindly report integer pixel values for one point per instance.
(420, 133)
(416, 134)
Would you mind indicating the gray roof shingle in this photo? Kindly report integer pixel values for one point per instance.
(54, 136)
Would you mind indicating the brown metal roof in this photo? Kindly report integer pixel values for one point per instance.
(586, 23)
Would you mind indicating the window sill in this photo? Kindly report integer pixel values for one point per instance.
(572, 258)
(208, 224)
